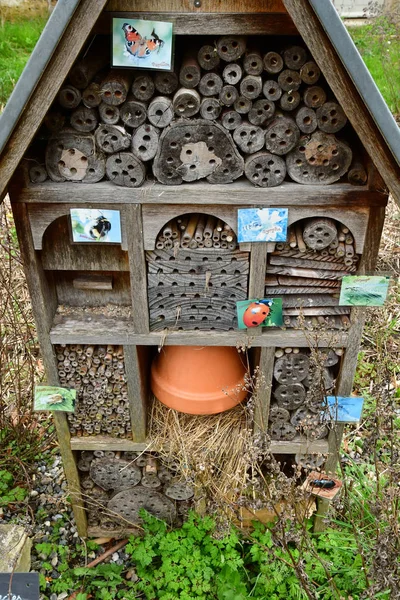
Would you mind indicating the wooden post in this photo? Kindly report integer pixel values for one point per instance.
(138, 273)
(136, 362)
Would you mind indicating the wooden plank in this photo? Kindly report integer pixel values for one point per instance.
(137, 263)
(45, 92)
(240, 193)
(137, 377)
(93, 282)
(68, 294)
(344, 89)
(302, 446)
(102, 442)
(206, 6)
(263, 398)
(258, 264)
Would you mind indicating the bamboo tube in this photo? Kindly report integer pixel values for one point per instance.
(292, 237)
(191, 228)
(209, 227)
(198, 236)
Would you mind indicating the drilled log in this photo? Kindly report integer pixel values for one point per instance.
(278, 414)
(306, 119)
(115, 87)
(357, 174)
(331, 117)
(273, 62)
(84, 119)
(133, 113)
(230, 48)
(291, 368)
(112, 138)
(37, 173)
(318, 233)
(290, 101)
(190, 72)
(73, 157)
(91, 96)
(310, 73)
(231, 120)
(160, 112)
(281, 135)
(228, 95)
(295, 57)
(289, 80)
(280, 430)
(210, 84)
(251, 86)
(210, 109)
(264, 169)
(243, 105)
(125, 169)
(208, 58)
(54, 121)
(249, 138)
(272, 90)
(314, 96)
(109, 114)
(143, 88)
(145, 142)
(232, 74)
(69, 97)
(290, 396)
(253, 63)
(261, 112)
(186, 102)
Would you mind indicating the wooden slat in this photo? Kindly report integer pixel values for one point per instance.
(188, 6)
(263, 397)
(137, 263)
(100, 442)
(302, 446)
(136, 372)
(61, 62)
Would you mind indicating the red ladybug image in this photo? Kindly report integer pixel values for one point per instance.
(256, 313)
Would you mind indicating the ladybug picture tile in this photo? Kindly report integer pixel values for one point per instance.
(95, 225)
(262, 224)
(142, 44)
(259, 313)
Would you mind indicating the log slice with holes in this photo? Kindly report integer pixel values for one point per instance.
(112, 138)
(264, 169)
(186, 103)
(249, 138)
(114, 474)
(290, 396)
(125, 169)
(160, 112)
(74, 157)
(84, 119)
(243, 105)
(210, 109)
(230, 48)
(272, 90)
(208, 58)
(129, 503)
(331, 117)
(232, 73)
(292, 368)
(109, 114)
(143, 87)
(306, 119)
(273, 63)
(261, 111)
(145, 142)
(166, 82)
(282, 431)
(281, 135)
(318, 233)
(133, 113)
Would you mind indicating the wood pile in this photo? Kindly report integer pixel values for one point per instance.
(97, 373)
(117, 485)
(306, 272)
(300, 383)
(231, 109)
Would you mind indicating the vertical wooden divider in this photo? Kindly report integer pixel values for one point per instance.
(136, 372)
(137, 267)
(44, 306)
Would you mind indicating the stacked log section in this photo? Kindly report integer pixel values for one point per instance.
(112, 138)
(74, 157)
(133, 113)
(145, 142)
(143, 87)
(97, 373)
(84, 119)
(264, 169)
(125, 169)
(306, 272)
(115, 87)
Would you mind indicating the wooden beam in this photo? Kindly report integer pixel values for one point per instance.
(138, 272)
(136, 372)
(205, 6)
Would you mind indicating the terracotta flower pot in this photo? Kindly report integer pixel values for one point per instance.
(198, 380)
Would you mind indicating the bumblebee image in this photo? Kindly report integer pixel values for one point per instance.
(100, 229)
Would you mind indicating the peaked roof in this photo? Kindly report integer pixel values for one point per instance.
(317, 22)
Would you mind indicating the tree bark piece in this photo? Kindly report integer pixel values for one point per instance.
(115, 87)
(331, 117)
(210, 109)
(143, 88)
(249, 138)
(166, 82)
(231, 120)
(261, 112)
(306, 119)
(145, 142)
(208, 58)
(230, 48)
(125, 169)
(357, 174)
(319, 158)
(253, 63)
(272, 90)
(289, 81)
(243, 105)
(232, 73)
(281, 135)
(251, 86)
(228, 95)
(160, 112)
(314, 96)
(186, 102)
(112, 138)
(318, 233)
(73, 157)
(69, 97)
(84, 119)
(190, 72)
(210, 84)
(273, 63)
(264, 169)
(91, 96)
(290, 101)
(133, 113)
(310, 73)
(295, 57)
(97, 57)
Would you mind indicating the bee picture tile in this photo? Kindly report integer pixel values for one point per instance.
(95, 225)
(364, 290)
(262, 224)
(142, 44)
(47, 397)
(259, 313)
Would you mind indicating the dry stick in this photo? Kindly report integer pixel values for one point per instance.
(299, 236)
(292, 237)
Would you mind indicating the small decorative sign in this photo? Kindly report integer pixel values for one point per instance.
(95, 225)
(19, 586)
(262, 224)
(364, 290)
(343, 409)
(47, 397)
(322, 485)
(259, 313)
(142, 44)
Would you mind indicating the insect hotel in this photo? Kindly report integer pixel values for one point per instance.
(126, 179)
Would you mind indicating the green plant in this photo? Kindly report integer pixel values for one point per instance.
(10, 494)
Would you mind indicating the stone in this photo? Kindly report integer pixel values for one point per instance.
(17, 556)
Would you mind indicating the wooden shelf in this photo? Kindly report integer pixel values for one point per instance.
(102, 330)
(239, 193)
(299, 446)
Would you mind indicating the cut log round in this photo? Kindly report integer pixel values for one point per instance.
(115, 87)
(73, 157)
(133, 113)
(125, 169)
(282, 431)
(278, 413)
(150, 480)
(289, 80)
(306, 119)
(291, 368)
(54, 121)
(289, 101)
(310, 73)
(37, 173)
(261, 112)
(295, 57)
(251, 86)
(166, 82)
(272, 90)
(210, 109)
(109, 114)
(228, 95)
(145, 142)
(281, 135)
(331, 117)
(210, 84)
(112, 138)
(129, 503)
(302, 419)
(208, 58)
(230, 48)
(314, 96)
(195, 149)
(318, 233)
(231, 120)
(264, 169)
(290, 395)
(91, 96)
(114, 474)
(357, 174)
(143, 87)
(319, 158)
(249, 138)
(179, 491)
(186, 102)
(232, 73)
(84, 119)
(190, 72)
(243, 105)
(253, 63)
(160, 112)
(69, 97)
(273, 62)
